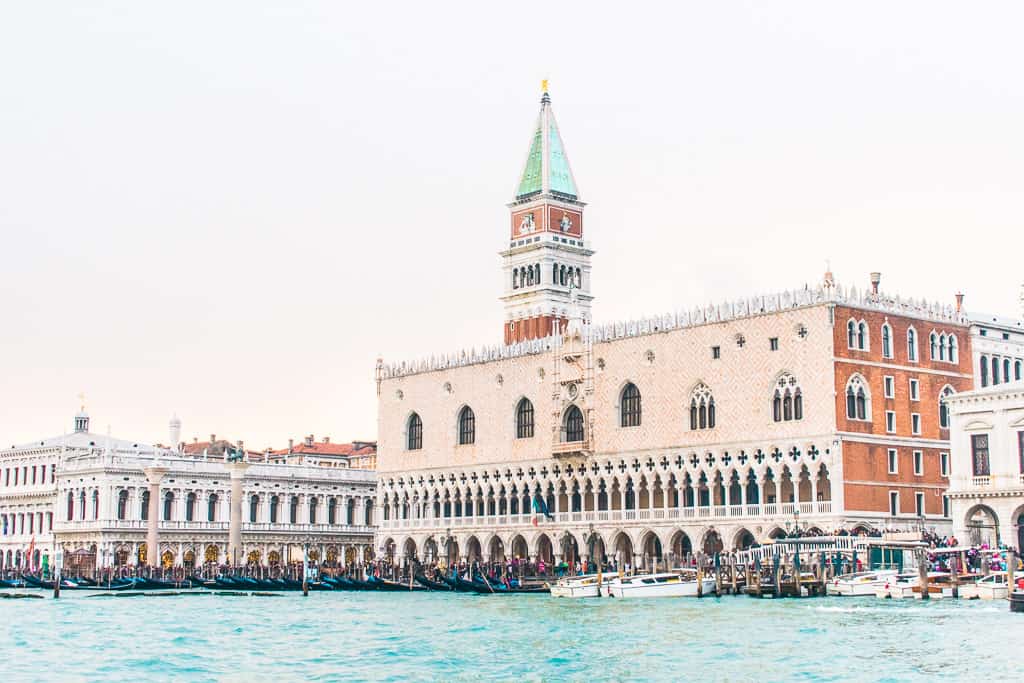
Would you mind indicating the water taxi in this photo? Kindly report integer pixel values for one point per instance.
(991, 587)
(673, 584)
(908, 585)
(859, 583)
(587, 586)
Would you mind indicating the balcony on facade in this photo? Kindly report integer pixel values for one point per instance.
(181, 526)
(718, 513)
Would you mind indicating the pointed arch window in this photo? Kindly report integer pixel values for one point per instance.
(886, 341)
(862, 335)
(630, 407)
(943, 408)
(524, 419)
(954, 355)
(573, 424)
(858, 399)
(851, 334)
(414, 433)
(787, 400)
(702, 407)
(467, 426)
(912, 345)
(933, 346)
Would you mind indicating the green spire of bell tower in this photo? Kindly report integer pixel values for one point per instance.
(547, 168)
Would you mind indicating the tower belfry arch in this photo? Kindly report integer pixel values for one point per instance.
(546, 254)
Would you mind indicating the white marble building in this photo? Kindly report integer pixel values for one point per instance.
(986, 486)
(998, 347)
(90, 495)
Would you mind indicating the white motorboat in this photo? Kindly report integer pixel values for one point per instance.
(908, 585)
(859, 583)
(991, 587)
(672, 584)
(587, 586)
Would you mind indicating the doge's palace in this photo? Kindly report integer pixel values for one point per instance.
(708, 428)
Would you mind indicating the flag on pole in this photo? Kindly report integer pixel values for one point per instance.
(541, 508)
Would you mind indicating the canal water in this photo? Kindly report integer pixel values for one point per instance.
(433, 636)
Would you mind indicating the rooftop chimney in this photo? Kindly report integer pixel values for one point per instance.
(875, 279)
(309, 440)
(959, 302)
(291, 444)
(327, 439)
(213, 438)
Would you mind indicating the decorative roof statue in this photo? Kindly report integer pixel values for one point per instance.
(233, 454)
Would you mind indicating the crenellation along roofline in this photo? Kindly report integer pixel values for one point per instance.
(741, 309)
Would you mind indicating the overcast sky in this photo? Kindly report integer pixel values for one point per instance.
(229, 210)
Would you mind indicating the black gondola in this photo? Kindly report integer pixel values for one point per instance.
(432, 585)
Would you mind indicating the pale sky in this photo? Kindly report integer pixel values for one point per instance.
(229, 210)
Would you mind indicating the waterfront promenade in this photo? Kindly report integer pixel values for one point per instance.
(432, 636)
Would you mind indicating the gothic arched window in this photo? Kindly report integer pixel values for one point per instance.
(467, 426)
(629, 406)
(524, 419)
(954, 356)
(858, 399)
(71, 506)
(912, 344)
(851, 334)
(943, 408)
(702, 407)
(886, 341)
(787, 400)
(414, 433)
(933, 346)
(862, 335)
(573, 424)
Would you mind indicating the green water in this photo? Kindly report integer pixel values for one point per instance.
(434, 636)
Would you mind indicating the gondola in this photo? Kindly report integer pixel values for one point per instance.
(432, 585)
(386, 585)
(12, 583)
(33, 582)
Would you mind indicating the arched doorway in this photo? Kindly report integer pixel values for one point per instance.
(743, 540)
(519, 548)
(167, 559)
(409, 549)
(776, 533)
(712, 543)
(682, 547)
(496, 550)
(652, 553)
(982, 525)
(570, 549)
(189, 559)
(253, 558)
(623, 549)
(143, 556)
(545, 550)
(212, 554)
(430, 550)
(473, 552)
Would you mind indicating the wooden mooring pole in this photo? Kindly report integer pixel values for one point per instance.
(922, 573)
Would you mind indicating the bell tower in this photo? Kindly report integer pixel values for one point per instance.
(546, 255)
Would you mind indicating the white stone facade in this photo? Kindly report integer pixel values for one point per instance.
(986, 488)
(660, 487)
(86, 493)
(998, 349)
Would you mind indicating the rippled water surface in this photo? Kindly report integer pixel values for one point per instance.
(434, 636)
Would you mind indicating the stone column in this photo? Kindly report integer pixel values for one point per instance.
(153, 476)
(237, 470)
